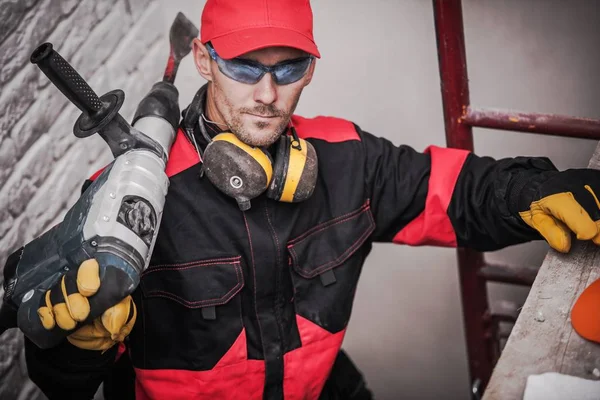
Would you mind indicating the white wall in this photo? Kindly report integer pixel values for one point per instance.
(379, 68)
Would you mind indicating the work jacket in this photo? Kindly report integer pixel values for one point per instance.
(255, 304)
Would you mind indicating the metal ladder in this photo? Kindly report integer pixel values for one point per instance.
(481, 327)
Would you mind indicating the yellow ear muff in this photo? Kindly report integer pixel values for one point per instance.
(256, 153)
(295, 170)
(240, 171)
(298, 150)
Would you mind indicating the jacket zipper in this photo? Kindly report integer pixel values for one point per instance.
(278, 301)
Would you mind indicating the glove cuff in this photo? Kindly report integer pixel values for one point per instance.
(524, 187)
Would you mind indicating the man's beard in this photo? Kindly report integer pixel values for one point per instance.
(245, 134)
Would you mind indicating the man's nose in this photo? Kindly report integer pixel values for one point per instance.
(265, 91)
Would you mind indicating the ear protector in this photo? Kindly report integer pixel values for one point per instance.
(245, 172)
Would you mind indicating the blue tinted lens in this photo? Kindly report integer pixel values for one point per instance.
(240, 71)
(292, 71)
(250, 72)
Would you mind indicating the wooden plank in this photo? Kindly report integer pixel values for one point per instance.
(543, 339)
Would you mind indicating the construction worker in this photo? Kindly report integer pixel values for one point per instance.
(268, 221)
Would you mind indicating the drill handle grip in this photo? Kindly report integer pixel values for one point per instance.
(66, 79)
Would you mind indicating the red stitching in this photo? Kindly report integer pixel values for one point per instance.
(274, 235)
(326, 227)
(260, 331)
(224, 299)
(327, 224)
(278, 257)
(202, 264)
(199, 303)
(343, 257)
(192, 263)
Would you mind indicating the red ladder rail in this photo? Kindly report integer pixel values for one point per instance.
(459, 118)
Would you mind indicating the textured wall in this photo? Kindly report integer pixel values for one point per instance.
(112, 44)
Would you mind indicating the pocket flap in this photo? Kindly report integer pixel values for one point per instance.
(196, 284)
(331, 243)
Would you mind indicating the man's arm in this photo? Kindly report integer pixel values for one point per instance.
(68, 372)
(448, 197)
(76, 367)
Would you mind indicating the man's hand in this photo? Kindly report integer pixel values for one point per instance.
(566, 202)
(112, 327)
(66, 304)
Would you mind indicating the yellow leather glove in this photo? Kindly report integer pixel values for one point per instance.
(567, 202)
(66, 304)
(111, 328)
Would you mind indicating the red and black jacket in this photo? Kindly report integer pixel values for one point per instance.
(255, 304)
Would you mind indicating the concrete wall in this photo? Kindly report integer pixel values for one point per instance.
(112, 44)
(379, 69)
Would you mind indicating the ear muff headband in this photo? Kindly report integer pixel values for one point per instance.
(282, 158)
(253, 152)
(297, 159)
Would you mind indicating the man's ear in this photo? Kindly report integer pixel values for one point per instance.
(202, 60)
(311, 70)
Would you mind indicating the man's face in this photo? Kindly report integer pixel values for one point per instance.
(256, 113)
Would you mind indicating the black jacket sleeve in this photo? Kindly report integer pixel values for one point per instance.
(66, 371)
(448, 197)
(396, 179)
(483, 208)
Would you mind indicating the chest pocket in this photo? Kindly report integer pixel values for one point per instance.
(326, 262)
(185, 307)
(196, 285)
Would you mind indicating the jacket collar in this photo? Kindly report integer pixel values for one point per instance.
(194, 125)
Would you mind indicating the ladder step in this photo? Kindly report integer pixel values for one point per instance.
(504, 318)
(508, 274)
(548, 124)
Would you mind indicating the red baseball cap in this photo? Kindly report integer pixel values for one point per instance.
(235, 27)
(585, 315)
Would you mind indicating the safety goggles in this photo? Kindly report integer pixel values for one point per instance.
(250, 72)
